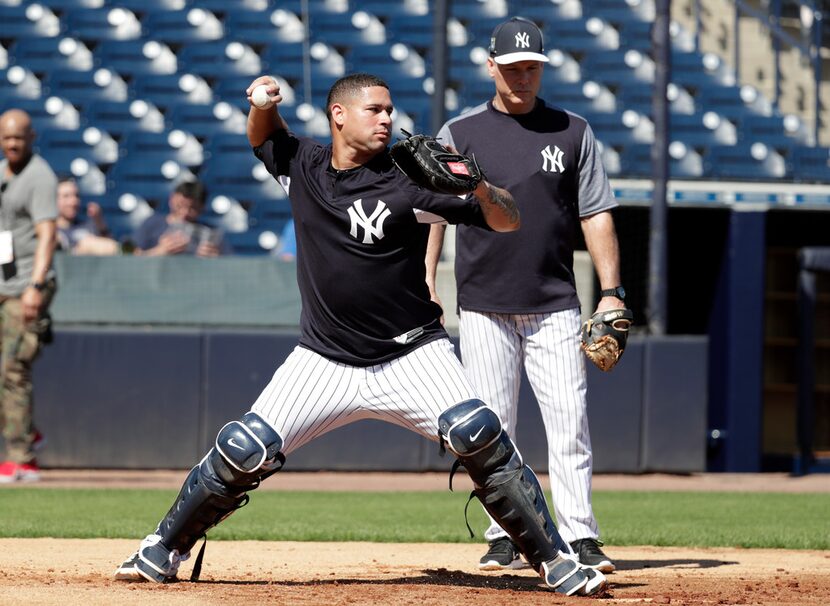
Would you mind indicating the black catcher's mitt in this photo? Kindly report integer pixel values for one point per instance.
(432, 166)
(604, 336)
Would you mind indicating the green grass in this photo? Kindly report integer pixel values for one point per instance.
(793, 521)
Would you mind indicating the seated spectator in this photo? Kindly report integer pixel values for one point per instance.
(78, 236)
(180, 231)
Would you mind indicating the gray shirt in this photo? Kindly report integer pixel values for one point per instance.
(26, 199)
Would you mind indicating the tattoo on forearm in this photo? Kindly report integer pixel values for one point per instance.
(506, 203)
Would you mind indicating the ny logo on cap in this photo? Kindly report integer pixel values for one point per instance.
(522, 40)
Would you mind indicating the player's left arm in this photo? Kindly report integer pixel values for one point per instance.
(601, 240)
(32, 298)
(498, 207)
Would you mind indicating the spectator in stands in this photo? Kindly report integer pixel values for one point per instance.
(90, 237)
(516, 292)
(180, 231)
(27, 243)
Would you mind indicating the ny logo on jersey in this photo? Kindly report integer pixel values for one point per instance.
(552, 160)
(522, 40)
(372, 225)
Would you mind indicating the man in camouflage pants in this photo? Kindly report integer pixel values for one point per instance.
(28, 211)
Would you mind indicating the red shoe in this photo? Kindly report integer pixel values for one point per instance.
(28, 472)
(8, 472)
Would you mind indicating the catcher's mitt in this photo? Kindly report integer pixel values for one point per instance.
(604, 336)
(432, 166)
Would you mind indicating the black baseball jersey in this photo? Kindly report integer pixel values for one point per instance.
(361, 241)
(548, 159)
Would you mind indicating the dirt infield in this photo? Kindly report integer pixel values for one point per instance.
(61, 572)
(49, 571)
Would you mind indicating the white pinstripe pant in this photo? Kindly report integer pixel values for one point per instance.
(310, 395)
(493, 349)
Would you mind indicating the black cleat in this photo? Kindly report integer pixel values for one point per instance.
(502, 555)
(589, 553)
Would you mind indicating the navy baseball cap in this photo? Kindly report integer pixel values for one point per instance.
(517, 40)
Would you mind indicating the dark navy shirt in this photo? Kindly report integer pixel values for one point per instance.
(549, 161)
(361, 241)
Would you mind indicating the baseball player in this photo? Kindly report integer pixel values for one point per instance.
(371, 342)
(516, 292)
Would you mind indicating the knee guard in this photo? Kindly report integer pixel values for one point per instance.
(507, 488)
(246, 452)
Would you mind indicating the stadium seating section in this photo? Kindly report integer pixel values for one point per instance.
(132, 95)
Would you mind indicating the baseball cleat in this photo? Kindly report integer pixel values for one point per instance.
(152, 562)
(127, 571)
(589, 554)
(502, 555)
(565, 575)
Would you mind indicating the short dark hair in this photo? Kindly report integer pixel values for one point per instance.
(349, 86)
(62, 178)
(194, 190)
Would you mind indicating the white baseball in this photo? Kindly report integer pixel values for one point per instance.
(260, 97)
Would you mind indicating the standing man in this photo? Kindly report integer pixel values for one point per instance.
(371, 342)
(27, 284)
(516, 292)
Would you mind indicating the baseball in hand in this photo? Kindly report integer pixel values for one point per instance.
(260, 97)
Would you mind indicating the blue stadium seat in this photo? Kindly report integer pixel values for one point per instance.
(82, 87)
(811, 164)
(143, 177)
(737, 162)
(49, 54)
(201, 120)
(223, 8)
(142, 7)
(182, 26)
(220, 57)
(691, 130)
(136, 57)
(67, 5)
(636, 162)
(94, 24)
(19, 22)
(572, 36)
(45, 113)
(610, 130)
(169, 90)
(232, 174)
(142, 144)
(725, 100)
(412, 30)
(256, 27)
(338, 30)
(221, 144)
(767, 129)
(248, 242)
(285, 59)
(385, 8)
(635, 34)
(614, 11)
(61, 147)
(609, 68)
(121, 117)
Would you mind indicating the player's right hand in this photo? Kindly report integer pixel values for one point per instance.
(273, 89)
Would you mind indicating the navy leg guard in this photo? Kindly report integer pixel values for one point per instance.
(246, 452)
(506, 487)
